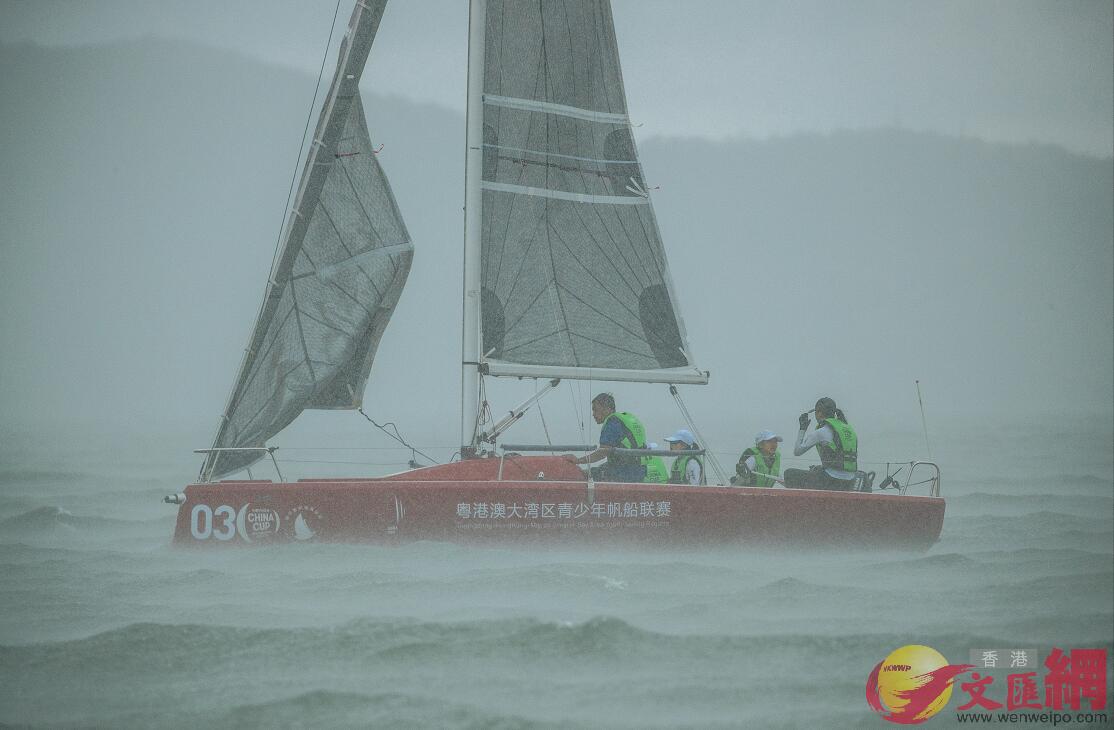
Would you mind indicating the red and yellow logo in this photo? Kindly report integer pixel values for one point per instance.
(912, 684)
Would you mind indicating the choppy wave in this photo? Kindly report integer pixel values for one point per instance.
(38, 476)
(988, 503)
(49, 517)
(1025, 484)
(402, 640)
(324, 708)
(600, 672)
(95, 601)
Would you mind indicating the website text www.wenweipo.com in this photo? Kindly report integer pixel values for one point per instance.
(1045, 718)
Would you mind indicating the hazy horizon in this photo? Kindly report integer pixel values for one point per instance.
(1010, 71)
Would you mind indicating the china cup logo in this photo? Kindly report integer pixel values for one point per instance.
(912, 684)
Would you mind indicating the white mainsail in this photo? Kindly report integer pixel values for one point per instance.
(566, 274)
(342, 262)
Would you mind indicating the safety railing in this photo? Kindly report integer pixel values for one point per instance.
(511, 449)
(934, 479)
(269, 449)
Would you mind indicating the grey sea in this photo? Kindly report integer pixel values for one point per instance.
(104, 624)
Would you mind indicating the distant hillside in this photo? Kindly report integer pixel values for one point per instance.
(896, 255)
(144, 185)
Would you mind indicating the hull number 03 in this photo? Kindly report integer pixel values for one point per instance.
(206, 522)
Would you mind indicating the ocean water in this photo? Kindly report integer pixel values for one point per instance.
(103, 624)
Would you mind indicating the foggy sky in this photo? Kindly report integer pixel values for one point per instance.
(1001, 70)
(144, 184)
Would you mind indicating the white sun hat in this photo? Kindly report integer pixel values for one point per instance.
(683, 435)
(766, 436)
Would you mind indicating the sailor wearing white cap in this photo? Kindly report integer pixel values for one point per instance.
(686, 469)
(760, 465)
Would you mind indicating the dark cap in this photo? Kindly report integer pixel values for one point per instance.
(826, 404)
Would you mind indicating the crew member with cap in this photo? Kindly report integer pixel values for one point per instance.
(620, 430)
(760, 465)
(837, 444)
(656, 473)
(687, 469)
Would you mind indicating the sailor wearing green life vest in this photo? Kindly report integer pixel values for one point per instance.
(686, 469)
(837, 444)
(760, 465)
(620, 430)
(656, 473)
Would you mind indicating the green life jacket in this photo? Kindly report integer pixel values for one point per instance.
(678, 474)
(634, 437)
(843, 453)
(656, 473)
(762, 467)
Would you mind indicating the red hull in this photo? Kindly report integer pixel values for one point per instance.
(545, 499)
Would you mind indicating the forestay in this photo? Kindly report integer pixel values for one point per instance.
(573, 281)
(342, 262)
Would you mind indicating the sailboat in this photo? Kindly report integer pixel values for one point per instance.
(565, 277)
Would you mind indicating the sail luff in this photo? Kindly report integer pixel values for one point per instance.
(343, 94)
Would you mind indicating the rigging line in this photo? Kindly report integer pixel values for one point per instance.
(327, 461)
(288, 449)
(579, 408)
(309, 118)
(541, 415)
(396, 435)
(924, 423)
(692, 426)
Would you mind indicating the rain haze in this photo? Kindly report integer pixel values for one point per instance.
(853, 198)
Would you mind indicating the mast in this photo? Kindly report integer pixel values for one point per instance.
(473, 228)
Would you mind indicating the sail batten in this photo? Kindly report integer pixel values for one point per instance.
(342, 262)
(573, 280)
(535, 105)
